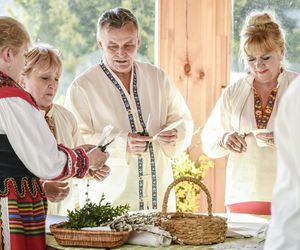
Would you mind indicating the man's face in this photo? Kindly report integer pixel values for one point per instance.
(120, 47)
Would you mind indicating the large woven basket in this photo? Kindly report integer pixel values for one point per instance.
(193, 229)
(82, 238)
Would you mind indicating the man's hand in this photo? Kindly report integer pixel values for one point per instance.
(168, 137)
(56, 191)
(136, 144)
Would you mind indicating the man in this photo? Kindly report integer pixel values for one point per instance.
(285, 223)
(129, 95)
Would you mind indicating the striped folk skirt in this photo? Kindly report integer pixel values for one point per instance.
(23, 218)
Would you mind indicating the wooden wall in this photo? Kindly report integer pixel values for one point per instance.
(194, 50)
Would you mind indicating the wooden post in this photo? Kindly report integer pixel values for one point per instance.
(194, 50)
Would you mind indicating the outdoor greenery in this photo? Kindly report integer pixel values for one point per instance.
(70, 26)
(187, 194)
(287, 13)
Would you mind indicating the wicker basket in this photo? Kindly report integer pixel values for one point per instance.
(87, 238)
(193, 229)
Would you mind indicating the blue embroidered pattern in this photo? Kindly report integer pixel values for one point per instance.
(133, 130)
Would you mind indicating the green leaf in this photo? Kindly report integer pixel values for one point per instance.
(93, 215)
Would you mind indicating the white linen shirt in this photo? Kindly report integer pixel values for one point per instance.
(249, 175)
(96, 102)
(32, 141)
(68, 134)
(283, 232)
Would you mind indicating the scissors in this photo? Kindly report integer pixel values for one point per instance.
(103, 147)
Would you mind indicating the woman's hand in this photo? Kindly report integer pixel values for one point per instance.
(234, 142)
(55, 190)
(266, 137)
(101, 173)
(97, 157)
(98, 169)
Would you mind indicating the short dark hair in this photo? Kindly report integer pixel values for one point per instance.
(116, 18)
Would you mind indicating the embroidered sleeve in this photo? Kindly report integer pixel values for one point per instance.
(77, 163)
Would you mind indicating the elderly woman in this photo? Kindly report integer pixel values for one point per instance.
(242, 122)
(28, 150)
(40, 77)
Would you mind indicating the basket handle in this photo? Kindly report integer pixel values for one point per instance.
(189, 179)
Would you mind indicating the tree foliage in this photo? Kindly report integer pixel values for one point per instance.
(282, 10)
(70, 26)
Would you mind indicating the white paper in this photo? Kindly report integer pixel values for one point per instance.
(246, 225)
(169, 127)
(106, 228)
(153, 236)
(54, 219)
(105, 134)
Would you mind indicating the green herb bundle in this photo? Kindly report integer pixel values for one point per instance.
(93, 215)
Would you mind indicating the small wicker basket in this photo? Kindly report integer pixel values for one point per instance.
(193, 229)
(88, 238)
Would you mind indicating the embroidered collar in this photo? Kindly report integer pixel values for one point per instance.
(6, 81)
(103, 60)
(250, 78)
(262, 115)
(10, 88)
(49, 113)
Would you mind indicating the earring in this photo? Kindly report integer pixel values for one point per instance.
(9, 67)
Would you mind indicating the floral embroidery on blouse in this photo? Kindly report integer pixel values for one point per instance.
(262, 116)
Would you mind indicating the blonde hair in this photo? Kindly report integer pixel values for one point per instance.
(43, 55)
(262, 32)
(13, 34)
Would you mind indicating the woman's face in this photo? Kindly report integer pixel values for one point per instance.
(265, 66)
(42, 84)
(17, 62)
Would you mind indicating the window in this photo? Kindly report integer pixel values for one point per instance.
(70, 26)
(287, 12)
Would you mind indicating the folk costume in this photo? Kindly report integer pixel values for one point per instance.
(28, 151)
(250, 175)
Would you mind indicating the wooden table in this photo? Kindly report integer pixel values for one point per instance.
(230, 243)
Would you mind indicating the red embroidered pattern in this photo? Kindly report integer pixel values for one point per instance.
(262, 117)
(77, 163)
(25, 187)
(10, 88)
(5, 80)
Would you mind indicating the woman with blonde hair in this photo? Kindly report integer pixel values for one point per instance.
(40, 77)
(242, 122)
(28, 150)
